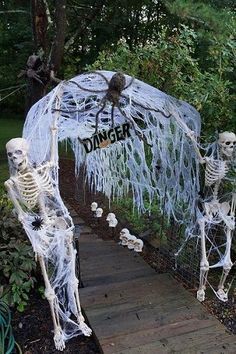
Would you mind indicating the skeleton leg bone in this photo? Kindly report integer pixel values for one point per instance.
(222, 294)
(204, 264)
(51, 297)
(75, 284)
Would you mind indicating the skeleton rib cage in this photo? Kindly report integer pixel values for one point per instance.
(32, 183)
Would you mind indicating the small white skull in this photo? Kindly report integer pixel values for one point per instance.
(131, 241)
(94, 206)
(110, 216)
(124, 233)
(17, 150)
(99, 212)
(227, 143)
(125, 240)
(138, 245)
(113, 222)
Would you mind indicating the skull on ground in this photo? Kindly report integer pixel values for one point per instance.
(110, 216)
(131, 241)
(99, 212)
(138, 245)
(124, 236)
(94, 206)
(113, 222)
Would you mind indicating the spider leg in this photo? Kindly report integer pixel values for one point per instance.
(129, 84)
(85, 88)
(97, 116)
(147, 108)
(100, 74)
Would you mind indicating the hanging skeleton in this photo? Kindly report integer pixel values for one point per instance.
(217, 212)
(34, 192)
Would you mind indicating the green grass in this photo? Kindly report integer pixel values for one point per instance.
(9, 128)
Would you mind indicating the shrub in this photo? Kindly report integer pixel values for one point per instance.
(16, 258)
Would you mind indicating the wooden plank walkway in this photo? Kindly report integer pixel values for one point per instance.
(132, 309)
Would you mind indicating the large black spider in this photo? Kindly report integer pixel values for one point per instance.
(37, 224)
(113, 93)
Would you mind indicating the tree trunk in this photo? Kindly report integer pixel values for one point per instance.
(60, 34)
(49, 52)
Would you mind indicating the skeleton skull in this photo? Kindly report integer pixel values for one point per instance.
(124, 232)
(113, 222)
(99, 212)
(227, 143)
(94, 206)
(138, 245)
(124, 237)
(110, 216)
(131, 241)
(17, 150)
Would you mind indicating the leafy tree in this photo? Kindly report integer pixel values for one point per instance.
(171, 66)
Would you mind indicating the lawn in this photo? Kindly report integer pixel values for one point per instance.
(9, 128)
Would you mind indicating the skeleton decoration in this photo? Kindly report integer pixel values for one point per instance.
(217, 210)
(99, 212)
(227, 143)
(34, 191)
(124, 237)
(112, 221)
(131, 241)
(138, 245)
(94, 206)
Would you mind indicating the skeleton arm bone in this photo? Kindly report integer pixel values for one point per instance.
(54, 130)
(189, 133)
(9, 185)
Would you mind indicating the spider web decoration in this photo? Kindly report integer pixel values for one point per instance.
(157, 161)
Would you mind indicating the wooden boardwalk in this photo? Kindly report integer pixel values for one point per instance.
(132, 309)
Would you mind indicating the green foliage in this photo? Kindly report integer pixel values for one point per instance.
(171, 66)
(202, 15)
(16, 44)
(16, 259)
(7, 341)
(153, 220)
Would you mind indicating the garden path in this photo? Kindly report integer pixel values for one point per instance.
(132, 309)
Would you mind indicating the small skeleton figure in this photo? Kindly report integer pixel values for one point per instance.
(94, 206)
(138, 245)
(99, 212)
(32, 190)
(131, 241)
(216, 212)
(112, 221)
(124, 237)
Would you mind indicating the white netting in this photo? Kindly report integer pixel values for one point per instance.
(167, 170)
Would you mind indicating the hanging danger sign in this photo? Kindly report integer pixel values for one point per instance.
(106, 137)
